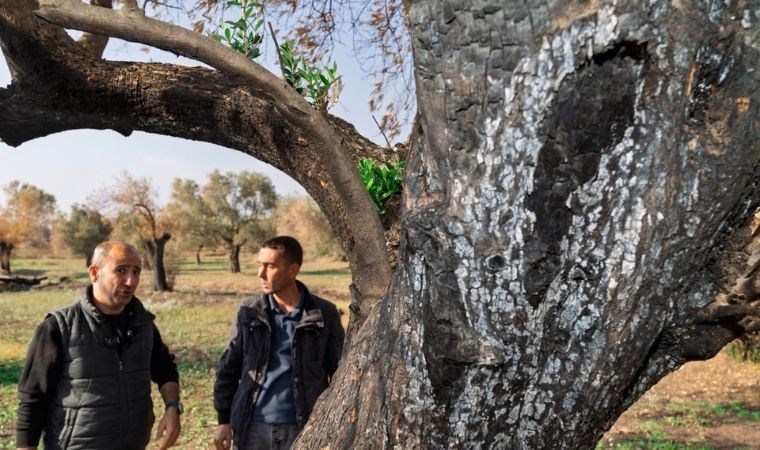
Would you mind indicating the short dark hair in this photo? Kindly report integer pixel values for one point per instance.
(289, 246)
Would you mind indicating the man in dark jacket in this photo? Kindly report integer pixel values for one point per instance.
(284, 348)
(86, 379)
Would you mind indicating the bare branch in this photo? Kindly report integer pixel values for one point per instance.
(277, 47)
(381, 131)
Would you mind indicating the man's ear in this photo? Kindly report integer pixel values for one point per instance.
(93, 271)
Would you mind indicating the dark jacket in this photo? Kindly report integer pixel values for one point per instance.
(317, 347)
(103, 397)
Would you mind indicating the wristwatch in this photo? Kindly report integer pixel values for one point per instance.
(177, 405)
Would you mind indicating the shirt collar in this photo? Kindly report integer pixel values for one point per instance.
(295, 313)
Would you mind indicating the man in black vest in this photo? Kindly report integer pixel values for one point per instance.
(285, 346)
(86, 379)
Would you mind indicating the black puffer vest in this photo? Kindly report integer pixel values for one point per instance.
(103, 398)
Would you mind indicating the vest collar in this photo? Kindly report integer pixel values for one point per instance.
(135, 311)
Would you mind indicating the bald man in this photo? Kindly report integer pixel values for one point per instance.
(86, 379)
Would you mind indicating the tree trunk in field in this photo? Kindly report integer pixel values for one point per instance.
(150, 249)
(5, 257)
(581, 184)
(198, 261)
(159, 272)
(234, 257)
(88, 260)
(582, 180)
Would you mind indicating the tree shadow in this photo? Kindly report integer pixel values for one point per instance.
(10, 372)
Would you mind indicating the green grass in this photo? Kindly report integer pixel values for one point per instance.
(194, 320)
(735, 350)
(655, 434)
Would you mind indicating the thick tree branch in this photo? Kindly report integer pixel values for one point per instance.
(286, 131)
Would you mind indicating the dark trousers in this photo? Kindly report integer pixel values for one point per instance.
(263, 436)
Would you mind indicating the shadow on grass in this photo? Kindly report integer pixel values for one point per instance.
(10, 372)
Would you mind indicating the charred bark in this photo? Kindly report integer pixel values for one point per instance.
(580, 188)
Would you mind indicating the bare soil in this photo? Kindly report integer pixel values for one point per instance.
(704, 404)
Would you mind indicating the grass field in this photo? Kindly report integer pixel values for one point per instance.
(706, 405)
(194, 321)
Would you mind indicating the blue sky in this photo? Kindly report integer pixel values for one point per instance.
(70, 165)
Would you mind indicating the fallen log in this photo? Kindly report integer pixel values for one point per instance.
(22, 280)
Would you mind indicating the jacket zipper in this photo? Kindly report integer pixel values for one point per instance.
(122, 398)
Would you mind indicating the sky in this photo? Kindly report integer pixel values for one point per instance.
(73, 164)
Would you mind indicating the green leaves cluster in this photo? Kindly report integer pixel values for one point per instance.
(310, 81)
(381, 180)
(243, 35)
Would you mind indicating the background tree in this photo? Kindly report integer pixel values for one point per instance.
(27, 218)
(190, 216)
(136, 212)
(301, 218)
(83, 230)
(577, 200)
(236, 208)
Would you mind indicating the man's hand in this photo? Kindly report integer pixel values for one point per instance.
(169, 428)
(223, 437)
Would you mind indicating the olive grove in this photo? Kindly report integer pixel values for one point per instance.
(577, 219)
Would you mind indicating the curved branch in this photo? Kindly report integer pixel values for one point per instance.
(259, 115)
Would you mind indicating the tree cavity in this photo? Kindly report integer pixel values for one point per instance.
(588, 116)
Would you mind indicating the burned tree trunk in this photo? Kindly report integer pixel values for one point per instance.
(582, 180)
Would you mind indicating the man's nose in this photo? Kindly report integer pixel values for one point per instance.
(132, 280)
(262, 273)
